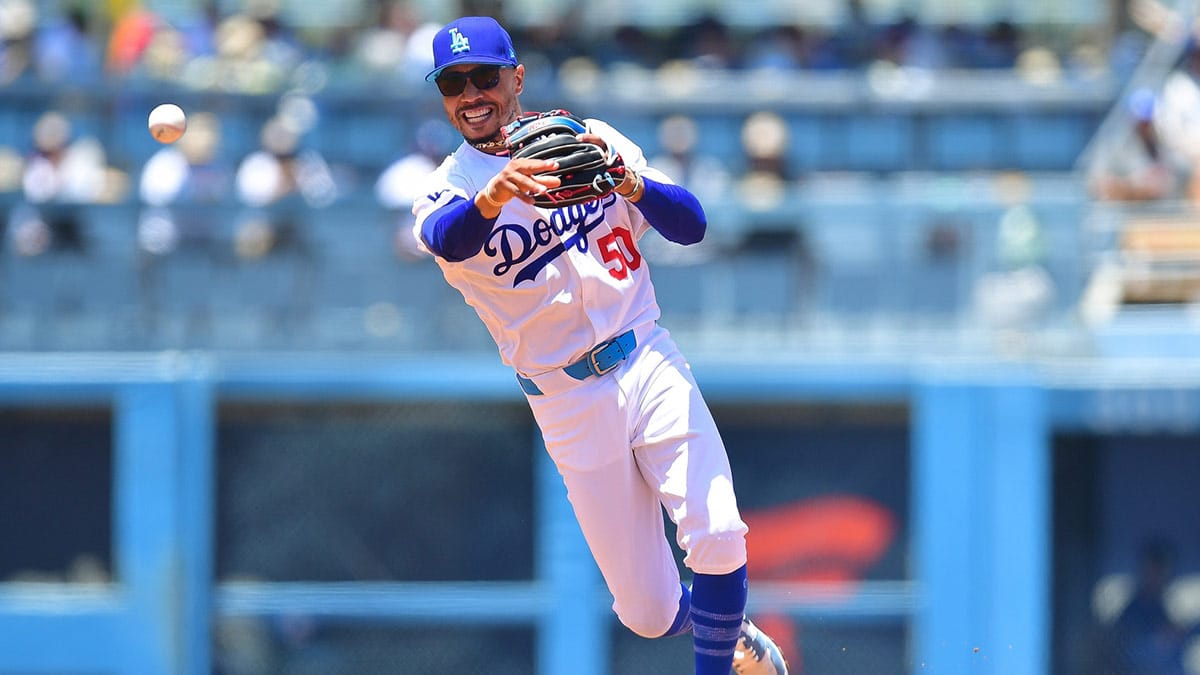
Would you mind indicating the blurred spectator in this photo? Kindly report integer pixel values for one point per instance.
(18, 19)
(165, 57)
(419, 55)
(133, 29)
(892, 43)
(278, 188)
(177, 182)
(65, 51)
(400, 183)
(709, 44)
(61, 173)
(853, 40)
(199, 28)
(773, 232)
(684, 161)
(780, 48)
(255, 53)
(1019, 291)
(1039, 65)
(957, 42)
(925, 47)
(1177, 114)
(279, 169)
(937, 287)
(276, 182)
(381, 49)
(11, 167)
(1136, 165)
(179, 229)
(551, 41)
(627, 45)
(1146, 640)
(280, 47)
(999, 47)
(68, 168)
(767, 178)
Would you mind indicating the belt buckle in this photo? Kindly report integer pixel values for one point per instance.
(600, 348)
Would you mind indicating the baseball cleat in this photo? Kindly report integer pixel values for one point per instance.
(757, 654)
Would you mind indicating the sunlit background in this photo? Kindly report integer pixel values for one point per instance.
(947, 315)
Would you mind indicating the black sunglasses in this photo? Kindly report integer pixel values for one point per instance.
(483, 77)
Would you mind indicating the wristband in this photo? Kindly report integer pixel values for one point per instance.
(483, 193)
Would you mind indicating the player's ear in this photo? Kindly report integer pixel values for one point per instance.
(519, 78)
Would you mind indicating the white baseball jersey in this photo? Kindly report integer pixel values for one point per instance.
(574, 272)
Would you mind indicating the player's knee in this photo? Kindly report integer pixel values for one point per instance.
(647, 612)
(647, 624)
(717, 552)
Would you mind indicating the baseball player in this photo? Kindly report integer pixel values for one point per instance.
(567, 297)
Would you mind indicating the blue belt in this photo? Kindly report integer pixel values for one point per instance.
(598, 361)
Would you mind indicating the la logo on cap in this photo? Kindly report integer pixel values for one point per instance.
(458, 42)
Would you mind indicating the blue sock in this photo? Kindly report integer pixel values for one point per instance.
(718, 605)
(683, 617)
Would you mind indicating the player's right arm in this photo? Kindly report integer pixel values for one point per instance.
(453, 226)
(517, 180)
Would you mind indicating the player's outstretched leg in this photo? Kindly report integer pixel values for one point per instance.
(757, 654)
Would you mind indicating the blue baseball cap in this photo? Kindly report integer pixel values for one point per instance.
(471, 39)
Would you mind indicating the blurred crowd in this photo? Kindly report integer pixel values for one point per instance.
(265, 167)
(204, 46)
(255, 49)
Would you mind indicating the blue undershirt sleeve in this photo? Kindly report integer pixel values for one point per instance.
(673, 211)
(457, 230)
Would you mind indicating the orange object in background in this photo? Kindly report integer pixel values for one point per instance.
(831, 540)
(131, 35)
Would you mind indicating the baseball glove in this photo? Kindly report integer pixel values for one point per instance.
(587, 172)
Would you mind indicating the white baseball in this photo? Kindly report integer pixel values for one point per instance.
(167, 123)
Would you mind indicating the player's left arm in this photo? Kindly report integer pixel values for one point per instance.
(670, 209)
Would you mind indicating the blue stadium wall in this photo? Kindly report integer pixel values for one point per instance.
(226, 497)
